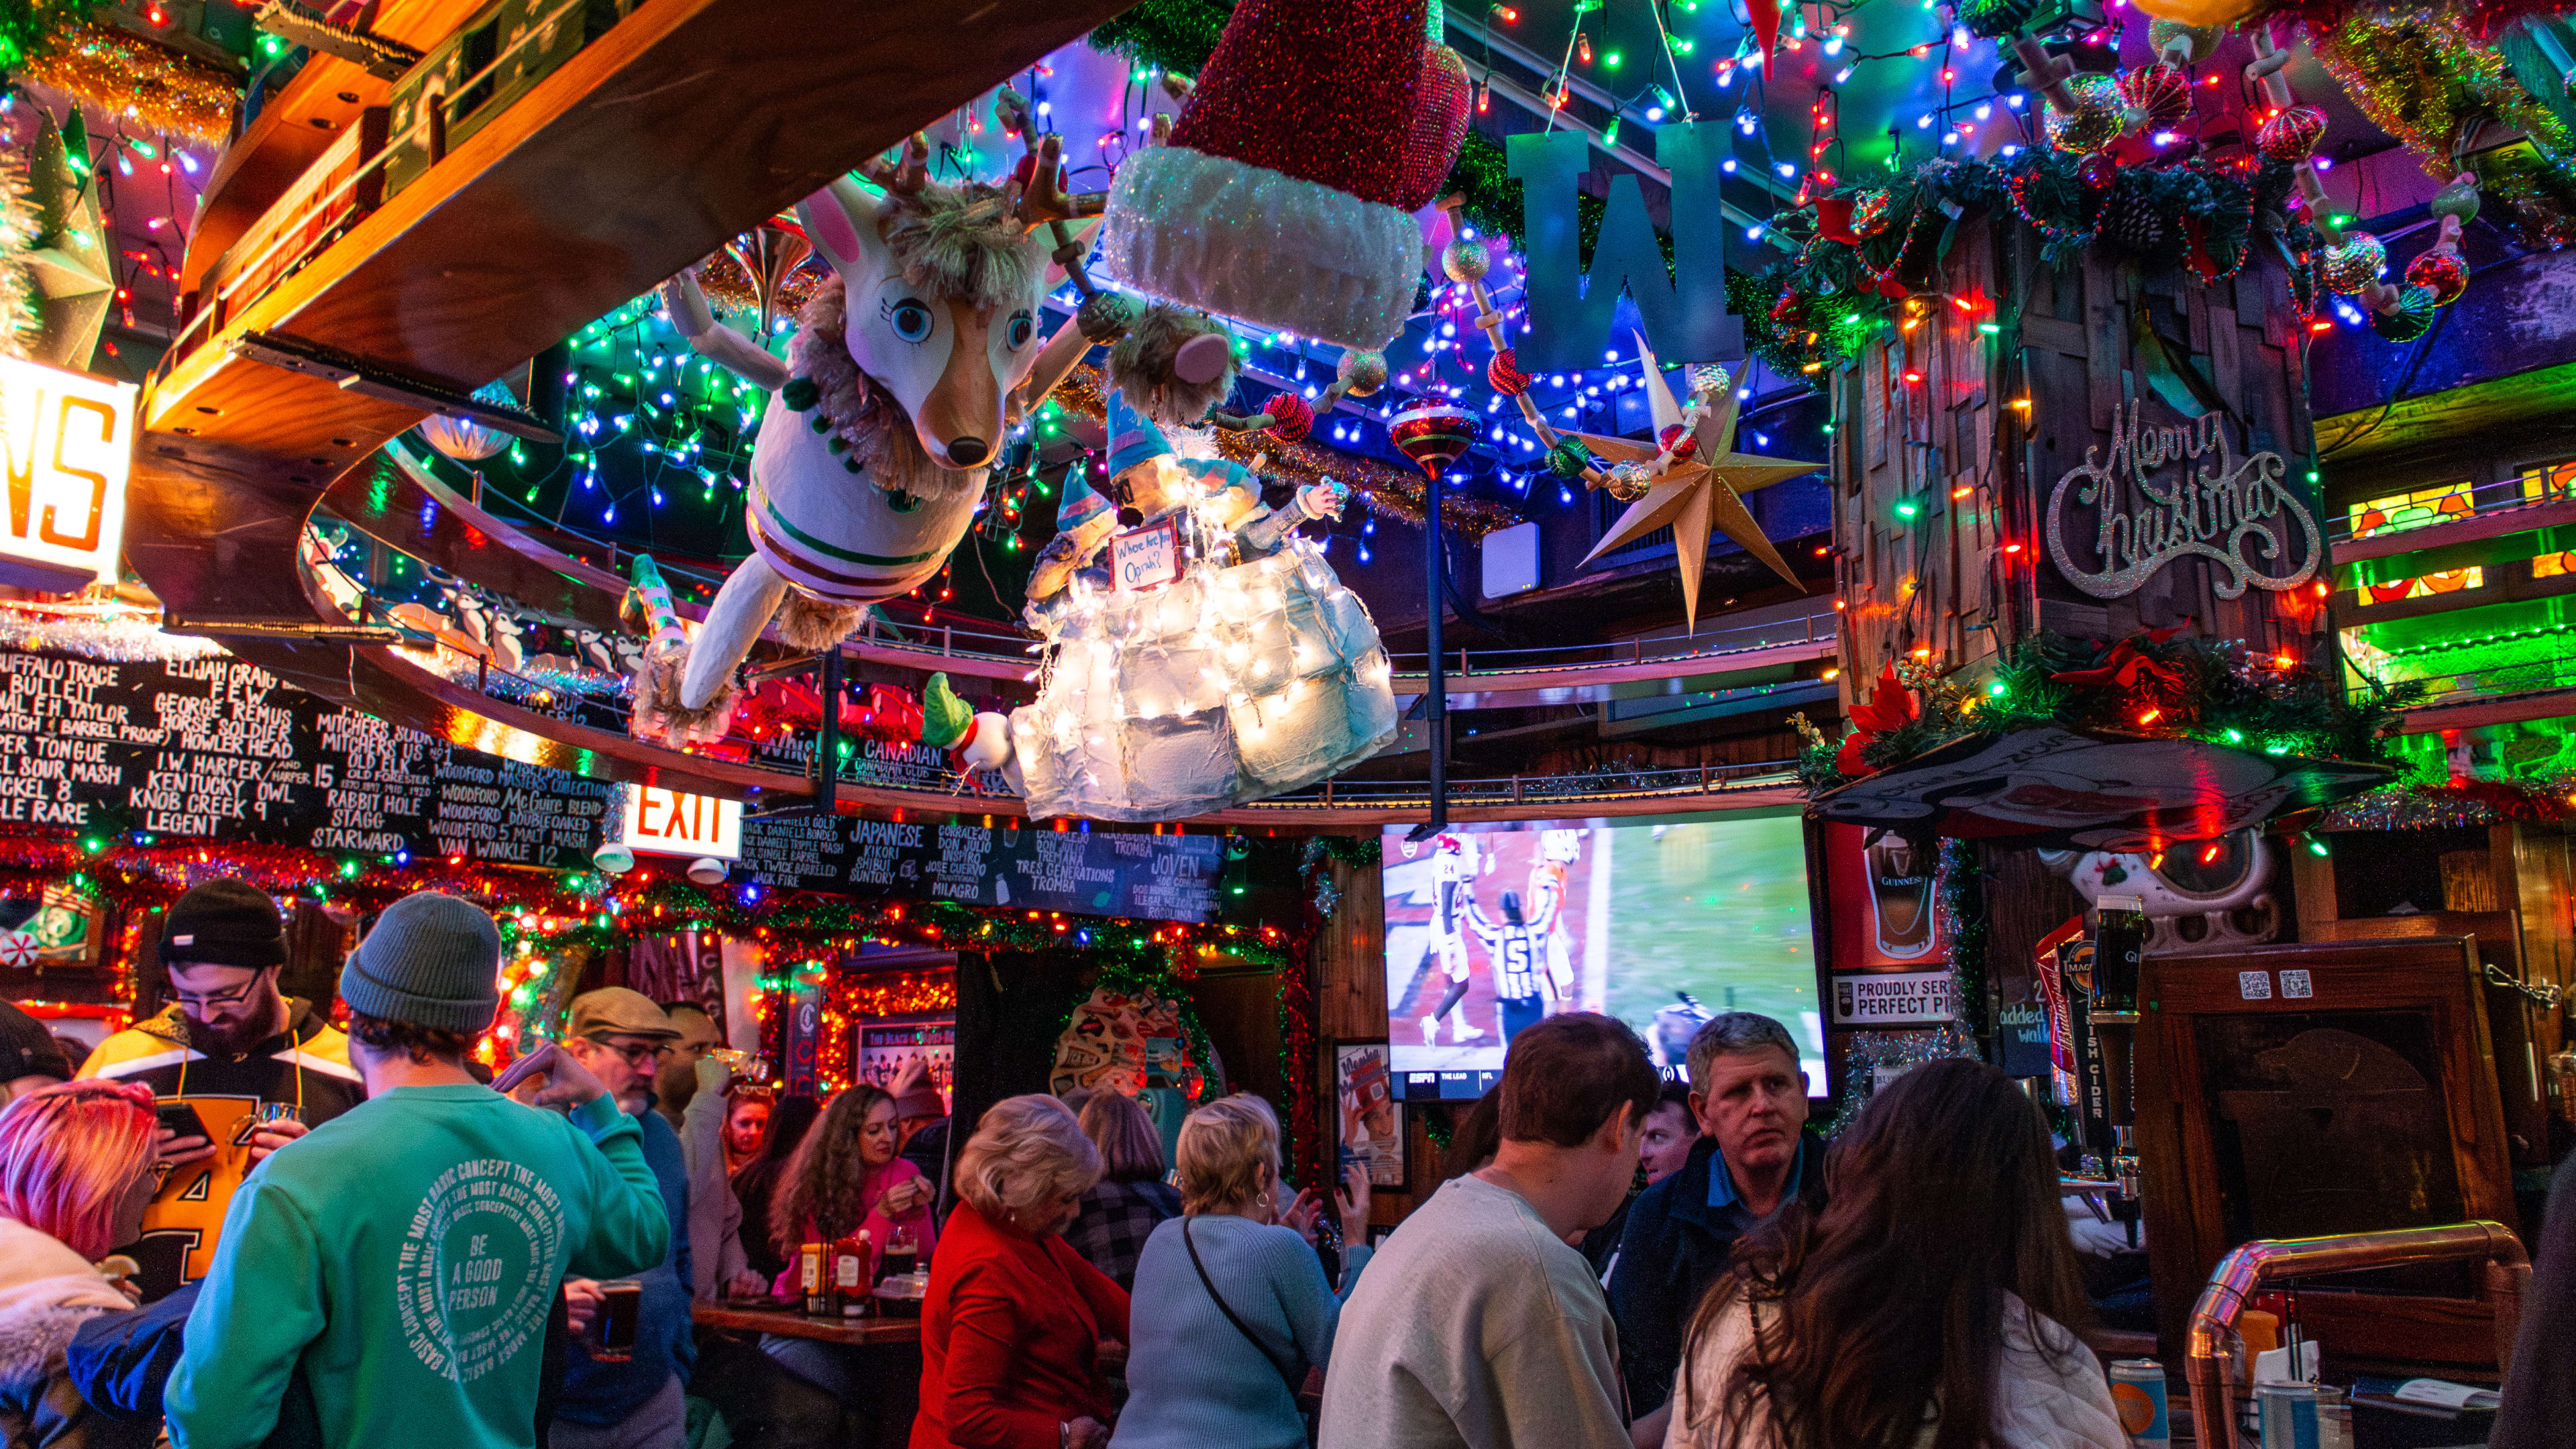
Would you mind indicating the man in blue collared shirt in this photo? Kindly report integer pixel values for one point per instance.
(1752, 1156)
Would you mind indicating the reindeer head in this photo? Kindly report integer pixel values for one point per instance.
(943, 285)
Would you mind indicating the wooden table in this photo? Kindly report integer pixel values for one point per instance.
(748, 1318)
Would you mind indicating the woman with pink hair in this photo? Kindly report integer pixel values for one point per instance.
(75, 1177)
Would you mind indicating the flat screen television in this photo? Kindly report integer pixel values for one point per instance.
(1661, 922)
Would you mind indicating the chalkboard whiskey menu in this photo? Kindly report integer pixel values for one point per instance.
(216, 749)
(1009, 863)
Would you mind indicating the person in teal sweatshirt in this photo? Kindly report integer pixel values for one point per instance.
(398, 1263)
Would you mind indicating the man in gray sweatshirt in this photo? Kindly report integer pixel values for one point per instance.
(1478, 1326)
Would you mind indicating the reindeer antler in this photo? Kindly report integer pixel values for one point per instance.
(908, 178)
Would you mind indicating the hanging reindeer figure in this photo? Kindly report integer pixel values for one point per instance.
(908, 367)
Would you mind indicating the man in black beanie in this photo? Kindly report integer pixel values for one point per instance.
(227, 1047)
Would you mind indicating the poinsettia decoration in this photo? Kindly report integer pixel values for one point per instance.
(1891, 708)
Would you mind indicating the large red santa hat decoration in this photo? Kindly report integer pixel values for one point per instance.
(1286, 193)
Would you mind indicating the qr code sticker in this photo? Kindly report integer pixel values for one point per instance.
(2254, 985)
(2296, 983)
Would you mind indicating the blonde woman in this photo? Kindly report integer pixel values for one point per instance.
(1017, 1326)
(1244, 1307)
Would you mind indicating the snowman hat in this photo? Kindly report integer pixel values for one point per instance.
(1280, 198)
(1134, 439)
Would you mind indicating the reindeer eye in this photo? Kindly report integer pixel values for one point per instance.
(1022, 328)
(910, 318)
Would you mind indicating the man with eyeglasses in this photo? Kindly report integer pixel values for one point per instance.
(621, 1037)
(250, 1067)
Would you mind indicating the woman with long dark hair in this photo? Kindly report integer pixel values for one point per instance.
(1930, 1305)
(756, 1183)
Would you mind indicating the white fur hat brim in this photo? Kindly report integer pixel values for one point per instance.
(1250, 243)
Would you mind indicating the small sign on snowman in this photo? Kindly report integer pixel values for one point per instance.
(1148, 557)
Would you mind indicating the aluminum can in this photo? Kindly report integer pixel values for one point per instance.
(2138, 1392)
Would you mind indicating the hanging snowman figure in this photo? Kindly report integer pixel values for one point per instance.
(1201, 653)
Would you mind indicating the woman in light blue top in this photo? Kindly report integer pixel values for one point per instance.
(1223, 1338)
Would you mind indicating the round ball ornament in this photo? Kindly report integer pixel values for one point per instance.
(2353, 263)
(2414, 314)
(1681, 441)
(1568, 459)
(2097, 120)
(1106, 317)
(2292, 134)
(464, 438)
(2459, 198)
(2203, 38)
(2442, 273)
(1504, 375)
(2160, 94)
(1629, 481)
(1361, 371)
(2095, 173)
(1869, 214)
(1465, 260)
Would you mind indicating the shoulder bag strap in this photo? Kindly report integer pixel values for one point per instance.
(1230, 1316)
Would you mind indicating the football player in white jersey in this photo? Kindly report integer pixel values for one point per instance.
(1557, 852)
(1454, 861)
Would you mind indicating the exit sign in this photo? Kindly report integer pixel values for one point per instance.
(666, 822)
(68, 441)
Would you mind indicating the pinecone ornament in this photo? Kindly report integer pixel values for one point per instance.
(2132, 224)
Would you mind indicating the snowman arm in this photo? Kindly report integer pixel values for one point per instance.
(710, 339)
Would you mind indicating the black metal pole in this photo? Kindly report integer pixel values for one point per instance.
(827, 756)
(1435, 700)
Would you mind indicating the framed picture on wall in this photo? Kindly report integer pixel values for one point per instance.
(1372, 1121)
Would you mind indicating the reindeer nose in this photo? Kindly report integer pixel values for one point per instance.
(969, 452)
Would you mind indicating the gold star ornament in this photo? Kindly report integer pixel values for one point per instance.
(1698, 488)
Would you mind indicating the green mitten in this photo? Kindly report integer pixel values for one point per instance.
(944, 717)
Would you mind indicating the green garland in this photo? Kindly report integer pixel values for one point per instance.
(2203, 689)
(1820, 309)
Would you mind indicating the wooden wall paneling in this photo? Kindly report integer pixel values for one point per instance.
(2541, 888)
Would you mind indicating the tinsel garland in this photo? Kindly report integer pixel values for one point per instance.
(1967, 924)
(1864, 1052)
(2424, 77)
(1822, 307)
(2453, 805)
(149, 85)
(2204, 689)
(1303, 1147)
(1388, 492)
(106, 633)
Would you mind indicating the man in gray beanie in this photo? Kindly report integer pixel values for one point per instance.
(407, 1253)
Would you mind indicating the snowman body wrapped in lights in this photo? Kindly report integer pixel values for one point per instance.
(1203, 656)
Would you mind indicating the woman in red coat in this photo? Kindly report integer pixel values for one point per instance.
(1013, 1331)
